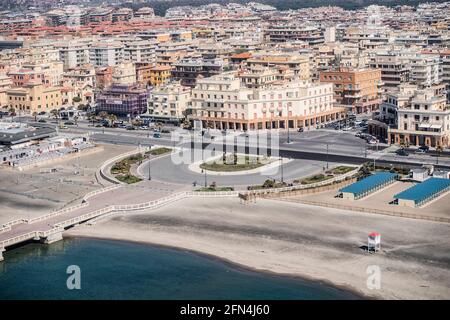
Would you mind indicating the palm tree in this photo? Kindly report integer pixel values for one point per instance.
(103, 115)
(112, 119)
(55, 114)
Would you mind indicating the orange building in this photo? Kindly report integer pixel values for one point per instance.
(359, 90)
(160, 75)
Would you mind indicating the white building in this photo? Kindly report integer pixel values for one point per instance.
(106, 53)
(169, 102)
(221, 102)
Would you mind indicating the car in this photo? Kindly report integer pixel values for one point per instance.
(358, 134)
(156, 135)
(420, 151)
(347, 128)
(424, 148)
(143, 127)
(42, 120)
(63, 127)
(131, 128)
(372, 141)
(402, 152)
(300, 129)
(69, 123)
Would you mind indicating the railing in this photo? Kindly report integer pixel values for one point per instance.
(373, 210)
(57, 213)
(102, 190)
(18, 239)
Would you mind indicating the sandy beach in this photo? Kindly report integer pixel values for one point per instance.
(316, 243)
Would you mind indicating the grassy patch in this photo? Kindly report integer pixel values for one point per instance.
(341, 170)
(268, 184)
(128, 178)
(212, 189)
(241, 163)
(314, 179)
(158, 151)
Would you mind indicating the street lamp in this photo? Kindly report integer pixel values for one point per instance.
(327, 156)
(287, 123)
(149, 168)
(281, 167)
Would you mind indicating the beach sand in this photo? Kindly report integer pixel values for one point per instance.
(316, 243)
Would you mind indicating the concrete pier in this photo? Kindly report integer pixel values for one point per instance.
(52, 238)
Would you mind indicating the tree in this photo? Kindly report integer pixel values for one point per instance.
(12, 112)
(55, 114)
(76, 99)
(112, 119)
(103, 115)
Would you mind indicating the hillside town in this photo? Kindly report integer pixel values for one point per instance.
(239, 67)
(224, 151)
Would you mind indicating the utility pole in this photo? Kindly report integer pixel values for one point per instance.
(287, 123)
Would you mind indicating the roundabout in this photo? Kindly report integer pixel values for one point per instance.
(165, 169)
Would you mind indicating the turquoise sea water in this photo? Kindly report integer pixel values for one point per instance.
(123, 270)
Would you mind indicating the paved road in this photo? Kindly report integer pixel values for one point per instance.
(164, 169)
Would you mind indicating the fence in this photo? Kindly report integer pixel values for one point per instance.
(311, 190)
(371, 210)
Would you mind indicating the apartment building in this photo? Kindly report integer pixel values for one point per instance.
(358, 90)
(189, 70)
(106, 53)
(297, 63)
(123, 100)
(395, 69)
(124, 73)
(169, 102)
(425, 70)
(287, 33)
(160, 75)
(46, 73)
(34, 97)
(73, 53)
(143, 73)
(222, 102)
(423, 121)
(5, 84)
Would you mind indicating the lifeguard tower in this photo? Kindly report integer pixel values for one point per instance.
(374, 242)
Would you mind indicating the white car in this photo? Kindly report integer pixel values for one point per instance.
(347, 129)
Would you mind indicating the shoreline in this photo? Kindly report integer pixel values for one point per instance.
(232, 264)
(322, 245)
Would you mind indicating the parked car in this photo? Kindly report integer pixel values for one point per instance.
(131, 128)
(300, 129)
(424, 148)
(347, 129)
(402, 152)
(42, 120)
(69, 123)
(156, 134)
